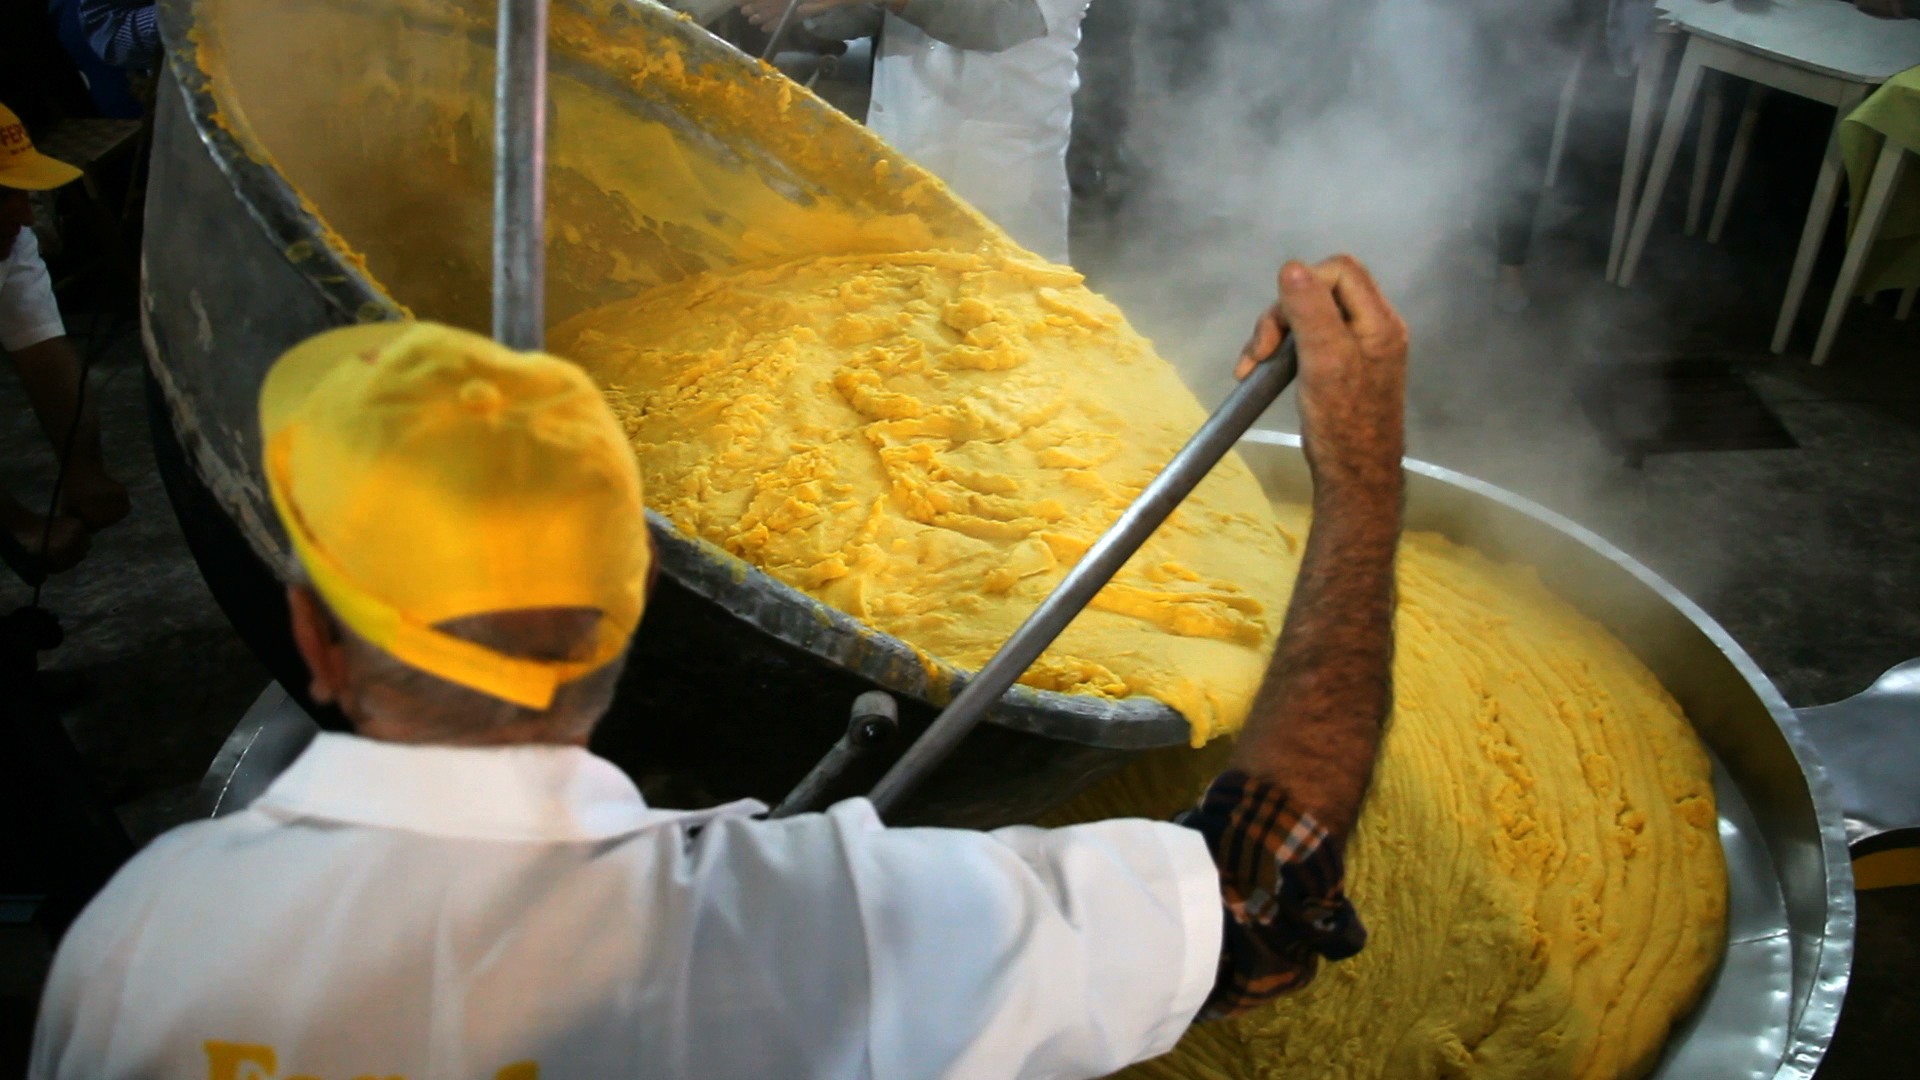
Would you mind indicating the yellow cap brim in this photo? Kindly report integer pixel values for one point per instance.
(34, 171)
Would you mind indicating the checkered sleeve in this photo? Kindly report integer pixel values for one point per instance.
(1281, 879)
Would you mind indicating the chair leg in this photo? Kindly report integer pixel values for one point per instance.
(1714, 85)
(1653, 68)
(1685, 87)
(1564, 117)
(1866, 229)
(1736, 160)
(1826, 189)
(1906, 304)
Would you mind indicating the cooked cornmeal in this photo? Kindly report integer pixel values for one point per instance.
(928, 441)
(1537, 864)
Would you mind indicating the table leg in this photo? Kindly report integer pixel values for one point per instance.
(1564, 117)
(1685, 86)
(1653, 68)
(1736, 159)
(1825, 190)
(1866, 228)
(1716, 94)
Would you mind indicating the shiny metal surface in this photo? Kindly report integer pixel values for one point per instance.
(272, 732)
(1871, 744)
(1771, 1009)
(1183, 472)
(520, 175)
(1741, 1026)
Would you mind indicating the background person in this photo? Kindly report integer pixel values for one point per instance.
(978, 92)
(124, 33)
(35, 341)
(461, 889)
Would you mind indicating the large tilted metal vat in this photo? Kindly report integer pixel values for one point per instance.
(308, 172)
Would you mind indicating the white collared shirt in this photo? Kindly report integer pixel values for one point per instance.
(440, 913)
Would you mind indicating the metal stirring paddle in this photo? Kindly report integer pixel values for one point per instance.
(519, 175)
(1182, 473)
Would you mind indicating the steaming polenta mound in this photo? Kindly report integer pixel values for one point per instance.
(928, 441)
(1537, 864)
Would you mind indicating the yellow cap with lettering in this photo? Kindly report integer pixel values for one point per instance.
(23, 167)
(426, 473)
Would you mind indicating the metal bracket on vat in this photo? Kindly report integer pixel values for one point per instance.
(1870, 744)
(875, 722)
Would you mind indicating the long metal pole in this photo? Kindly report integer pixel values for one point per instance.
(520, 175)
(1187, 468)
(779, 28)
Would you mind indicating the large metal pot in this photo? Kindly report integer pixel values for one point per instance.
(259, 235)
(1772, 1006)
(267, 225)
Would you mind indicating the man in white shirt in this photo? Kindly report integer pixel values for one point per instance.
(34, 339)
(461, 890)
(977, 92)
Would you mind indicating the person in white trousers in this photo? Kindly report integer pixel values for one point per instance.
(978, 92)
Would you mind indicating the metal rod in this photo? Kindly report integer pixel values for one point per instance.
(876, 719)
(779, 29)
(1187, 468)
(520, 175)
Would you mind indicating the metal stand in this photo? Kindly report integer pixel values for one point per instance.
(876, 720)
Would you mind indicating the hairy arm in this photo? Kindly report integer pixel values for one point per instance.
(1316, 721)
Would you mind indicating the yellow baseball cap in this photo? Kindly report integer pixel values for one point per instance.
(23, 167)
(425, 473)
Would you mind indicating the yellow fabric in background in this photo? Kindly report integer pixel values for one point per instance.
(1893, 111)
(927, 441)
(1538, 863)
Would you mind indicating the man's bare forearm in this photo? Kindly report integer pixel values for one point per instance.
(1317, 719)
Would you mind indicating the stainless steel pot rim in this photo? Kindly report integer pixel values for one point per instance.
(1813, 1016)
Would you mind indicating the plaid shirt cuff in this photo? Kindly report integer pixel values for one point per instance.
(1281, 878)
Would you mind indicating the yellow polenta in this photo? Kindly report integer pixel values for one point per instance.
(927, 441)
(1537, 863)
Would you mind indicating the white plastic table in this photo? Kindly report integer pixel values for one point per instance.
(1825, 50)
